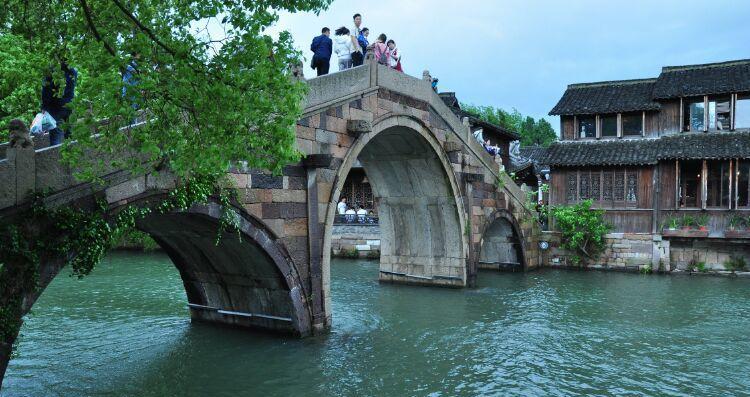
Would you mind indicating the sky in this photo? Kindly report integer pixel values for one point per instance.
(523, 54)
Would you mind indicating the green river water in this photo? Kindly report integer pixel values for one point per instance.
(125, 331)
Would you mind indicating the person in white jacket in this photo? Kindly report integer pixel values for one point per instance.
(343, 46)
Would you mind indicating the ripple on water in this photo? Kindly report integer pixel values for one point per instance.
(125, 331)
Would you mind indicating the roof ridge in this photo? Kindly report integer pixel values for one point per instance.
(681, 135)
(667, 69)
(603, 141)
(612, 82)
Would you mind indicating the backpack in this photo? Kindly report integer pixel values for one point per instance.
(383, 57)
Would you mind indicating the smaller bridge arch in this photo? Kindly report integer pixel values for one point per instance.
(501, 246)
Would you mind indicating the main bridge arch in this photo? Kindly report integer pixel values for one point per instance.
(419, 203)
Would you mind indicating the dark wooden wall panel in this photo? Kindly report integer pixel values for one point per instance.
(652, 124)
(669, 117)
(645, 188)
(566, 123)
(557, 186)
(667, 185)
(629, 221)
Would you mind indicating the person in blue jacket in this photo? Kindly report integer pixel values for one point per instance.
(362, 39)
(322, 48)
(56, 103)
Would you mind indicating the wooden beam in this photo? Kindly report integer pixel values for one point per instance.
(704, 184)
(705, 113)
(731, 178)
(598, 121)
(682, 116)
(677, 184)
(655, 194)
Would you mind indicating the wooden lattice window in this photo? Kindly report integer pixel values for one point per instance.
(619, 187)
(604, 187)
(358, 193)
(632, 190)
(572, 187)
(595, 191)
(607, 191)
(584, 186)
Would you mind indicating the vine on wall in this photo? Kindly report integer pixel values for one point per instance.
(81, 237)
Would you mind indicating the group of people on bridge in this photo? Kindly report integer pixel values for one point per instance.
(55, 104)
(351, 47)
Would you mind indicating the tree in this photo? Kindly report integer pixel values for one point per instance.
(215, 89)
(543, 134)
(532, 132)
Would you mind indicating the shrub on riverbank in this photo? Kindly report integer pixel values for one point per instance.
(735, 263)
(583, 230)
(136, 240)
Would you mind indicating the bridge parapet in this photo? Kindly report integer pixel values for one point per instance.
(341, 87)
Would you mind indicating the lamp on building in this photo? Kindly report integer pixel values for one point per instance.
(364, 180)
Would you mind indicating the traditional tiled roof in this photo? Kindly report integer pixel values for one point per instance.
(537, 154)
(516, 167)
(612, 152)
(607, 97)
(649, 150)
(529, 157)
(450, 100)
(705, 146)
(706, 79)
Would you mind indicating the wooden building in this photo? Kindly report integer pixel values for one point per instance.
(655, 150)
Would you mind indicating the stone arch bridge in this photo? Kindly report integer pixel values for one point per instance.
(438, 192)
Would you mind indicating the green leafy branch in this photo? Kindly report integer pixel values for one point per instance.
(583, 230)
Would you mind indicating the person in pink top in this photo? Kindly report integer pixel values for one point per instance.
(394, 56)
(380, 50)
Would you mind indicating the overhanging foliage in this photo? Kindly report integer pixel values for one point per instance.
(216, 87)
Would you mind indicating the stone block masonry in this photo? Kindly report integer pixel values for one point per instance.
(360, 241)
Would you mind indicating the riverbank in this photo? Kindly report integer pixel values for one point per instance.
(646, 269)
(654, 253)
(136, 240)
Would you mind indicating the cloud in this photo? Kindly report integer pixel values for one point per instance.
(523, 54)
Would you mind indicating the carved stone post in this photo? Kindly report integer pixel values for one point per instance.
(473, 254)
(20, 156)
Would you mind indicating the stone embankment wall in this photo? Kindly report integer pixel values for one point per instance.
(624, 251)
(714, 254)
(635, 251)
(355, 241)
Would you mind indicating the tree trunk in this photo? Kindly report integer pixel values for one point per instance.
(6, 350)
(16, 294)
